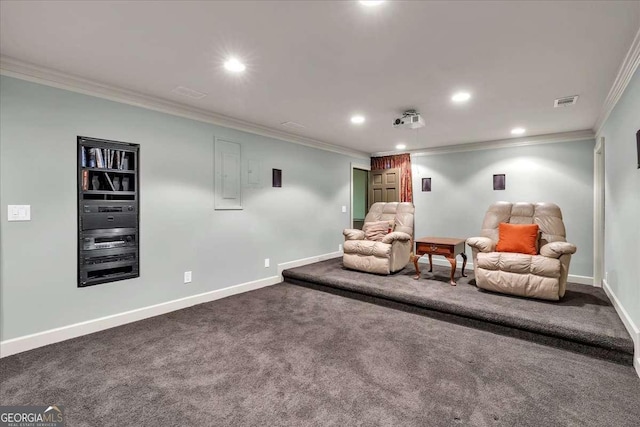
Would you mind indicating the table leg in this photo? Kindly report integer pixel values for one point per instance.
(430, 264)
(453, 269)
(464, 263)
(415, 264)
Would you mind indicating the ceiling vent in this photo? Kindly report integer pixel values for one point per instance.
(185, 91)
(293, 125)
(566, 101)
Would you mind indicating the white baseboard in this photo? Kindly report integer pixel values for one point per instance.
(573, 278)
(40, 339)
(305, 261)
(628, 323)
(582, 280)
(438, 260)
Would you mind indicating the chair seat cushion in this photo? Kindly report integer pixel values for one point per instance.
(519, 263)
(367, 247)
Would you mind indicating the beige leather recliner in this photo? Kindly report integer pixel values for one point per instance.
(541, 276)
(393, 252)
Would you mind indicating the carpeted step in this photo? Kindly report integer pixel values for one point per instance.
(583, 321)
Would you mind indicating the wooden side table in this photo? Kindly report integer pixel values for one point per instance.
(445, 246)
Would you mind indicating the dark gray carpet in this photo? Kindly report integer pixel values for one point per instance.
(291, 356)
(584, 318)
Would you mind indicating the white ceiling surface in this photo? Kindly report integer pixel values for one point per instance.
(318, 63)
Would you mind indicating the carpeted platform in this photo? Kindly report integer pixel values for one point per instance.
(291, 356)
(583, 321)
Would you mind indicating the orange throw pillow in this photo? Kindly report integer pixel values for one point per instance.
(519, 238)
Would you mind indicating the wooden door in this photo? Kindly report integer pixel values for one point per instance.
(384, 186)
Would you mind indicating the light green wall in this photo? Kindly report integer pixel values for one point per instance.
(462, 189)
(622, 200)
(179, 228)
(360, 178)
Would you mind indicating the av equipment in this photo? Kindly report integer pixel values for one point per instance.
(108, 211)
(109, 238)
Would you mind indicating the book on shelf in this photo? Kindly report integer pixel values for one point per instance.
(92, 157)
(109, 181)
(118, 159)
(83, 157)
(99, 158)
(85, 180)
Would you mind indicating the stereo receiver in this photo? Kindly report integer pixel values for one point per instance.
(110, 238)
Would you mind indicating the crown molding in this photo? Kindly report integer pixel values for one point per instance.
(14, 68)
(578, 135)
(625, 73)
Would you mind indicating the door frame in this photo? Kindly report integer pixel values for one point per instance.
(598, 211)
(360, 166)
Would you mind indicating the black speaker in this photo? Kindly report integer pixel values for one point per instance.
(276, 177)
(638, 146)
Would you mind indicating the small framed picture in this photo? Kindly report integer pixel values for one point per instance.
(426, 184)
(499, 182)
(276, 177)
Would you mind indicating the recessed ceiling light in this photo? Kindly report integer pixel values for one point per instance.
(234, 65)
(401, 147)
(518, 131)
(461, 97)
(371, 2)
(357, 119)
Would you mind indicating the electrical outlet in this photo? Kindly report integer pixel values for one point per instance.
(606, 276)
(340, 248)
(344, 209)
(266, 263)
(187, 277)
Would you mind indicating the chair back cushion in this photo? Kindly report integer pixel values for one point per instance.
(376, 230)
(400, 212)
(547, 215)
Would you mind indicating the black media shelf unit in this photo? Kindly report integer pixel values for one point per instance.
(108, 211)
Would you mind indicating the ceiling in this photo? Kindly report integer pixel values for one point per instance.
(318, 63)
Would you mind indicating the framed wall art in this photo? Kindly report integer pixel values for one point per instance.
(426, 184)
(499, 182)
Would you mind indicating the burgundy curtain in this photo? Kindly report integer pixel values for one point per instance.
(403, 162)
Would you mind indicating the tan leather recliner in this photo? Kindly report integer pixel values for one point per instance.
(393, 252)
(541, 276)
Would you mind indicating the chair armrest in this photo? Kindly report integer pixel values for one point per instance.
(396, 236)
(352, 234)
(557, 249)
(483, 244)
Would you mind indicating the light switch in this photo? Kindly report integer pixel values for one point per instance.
(344, 209)
(19, 212)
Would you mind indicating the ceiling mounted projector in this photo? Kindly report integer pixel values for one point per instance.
(411, 119)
